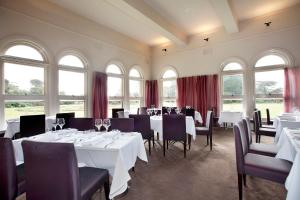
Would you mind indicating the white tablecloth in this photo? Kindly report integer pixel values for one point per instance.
(284, 123)
(156, 125)
(13, 126)
(116, 152)
(230, 117)
(289, 149)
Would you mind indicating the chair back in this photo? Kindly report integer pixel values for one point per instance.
(209, 118)
(122, 124)
(268, 117)
(190, 112)
(67, 117)
(121, 114)
(82, 124)
(114, 112)
(247, 127)
(174, 127)
(31, 125)
(241, 147)
(259, 118)
(142, 111)
(142, 125)
(8, 170)
(164, 110)
(256, 122)
(51, 171)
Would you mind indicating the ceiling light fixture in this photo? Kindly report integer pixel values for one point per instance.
(206, 39)
(165, 50)
(268, 23)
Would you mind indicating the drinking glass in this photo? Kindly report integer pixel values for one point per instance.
(148, 112)
(54, 125)
(106, 124)
(169, 110)
(61, 122)
(177, 110)
(155, 111)
(98, 124)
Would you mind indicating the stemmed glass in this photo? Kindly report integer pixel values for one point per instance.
(106, 124)
(149, 112)
(98, 124)
(177, 110)
(54, 125)
(169, 110)
(155, 111)
(60, 122)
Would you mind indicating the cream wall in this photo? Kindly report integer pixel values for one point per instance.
(201, 57)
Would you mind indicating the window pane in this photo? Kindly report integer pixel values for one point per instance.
(169, 88)
(23, 51)
(232, 66)
(270, 82)
(114, 87)
(71, 60)
(135, 88)
(71, 83)
(134, 73)
(114, 104)
(169, 74)
(14, 109)
(233, 84)
(77, 106)
(235, 105)
(275, 106)
(134, 105)
(113, 69)
(270, 60)
(169, 103)
(23, 79)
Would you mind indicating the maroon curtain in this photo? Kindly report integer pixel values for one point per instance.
(291, 92)
(100, 101)
(151, 94)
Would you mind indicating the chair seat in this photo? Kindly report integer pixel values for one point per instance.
(267, 131)
(263, 149)
(202, 128)
(21, 178)
(91, 179)
(268, 126)
(266, 167)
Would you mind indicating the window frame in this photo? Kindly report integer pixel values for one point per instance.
(162, 80)
(142, 86)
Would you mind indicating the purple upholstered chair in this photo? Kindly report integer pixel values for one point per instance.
(82, 124)
(51, 172)
(12, 180)
(142, 125)
(174, 129)
(31, 125)
(259, 131)
(122, 124)
(258, 148)
(265, 167)
(142, 111)
(67, 117)
(207, 129)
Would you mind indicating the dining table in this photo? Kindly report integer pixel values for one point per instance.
(289, 149)
(229, 117)
(115, 151)
(288, 120)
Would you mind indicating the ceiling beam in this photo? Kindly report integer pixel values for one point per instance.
(142, 12)
(226, 15)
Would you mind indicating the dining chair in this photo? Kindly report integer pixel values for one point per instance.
(174, 129)
(82, 124)
(114, 112)
(66, 117)
(164, 110)
(261, 123)
(256, 165)
(142, 111)
(142, 125)
(51, 172)
(207, 129)
(190, 112)
(122, 124)
(259, 131)
(12, 181)
(258, 148)
(31, 125)
(269, 121)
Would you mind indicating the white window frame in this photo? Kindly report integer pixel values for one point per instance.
(162, 97)
(142, 85)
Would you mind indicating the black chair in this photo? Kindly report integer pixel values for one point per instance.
(114, 112)
(164, 110)
(269, 121)
(174, 129)
(67, 117)
(12, 181)
(142, 125)
(51, 172)
(31, 125)
(259, 131)
(122, 124)
(189, 112)
(261, 123)
(207, 129)
(82, 124)
(260, 166)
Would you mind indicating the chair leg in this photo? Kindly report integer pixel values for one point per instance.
(164, 147)
(207, 140)
(157, 137)
(256, 136)
(132, 169)
(244, 178)
(106, 189)
(167, 144)
(153, 140)
(240, 185)
(189, 141)
(210, 142)
(149, 143)
(184, 148)
(259, 137)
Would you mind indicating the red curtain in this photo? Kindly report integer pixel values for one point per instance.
(151, 94)
(291, 92)
(199, 92)
(100, 101)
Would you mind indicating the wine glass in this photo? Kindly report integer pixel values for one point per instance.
(155, 112)
(169, 110)
(148, 111)
(106, 124)
(54, 125)
(98, 124)
(61, 122)
(177, 110)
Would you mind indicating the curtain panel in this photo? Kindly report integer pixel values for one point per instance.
(100, 100)
(151, 93)
(291, 93)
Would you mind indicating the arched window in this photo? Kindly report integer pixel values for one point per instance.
(115, 91)
(232, 86)
(269, 83)
(169, 88)
(24, 80)
(135, 90)
(72, 85)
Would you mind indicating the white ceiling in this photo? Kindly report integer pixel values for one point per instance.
(158, 21)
